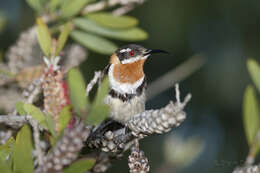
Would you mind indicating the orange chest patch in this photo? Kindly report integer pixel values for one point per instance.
(129, 73)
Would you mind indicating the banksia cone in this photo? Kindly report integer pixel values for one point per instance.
(156, 121)
(66, 149)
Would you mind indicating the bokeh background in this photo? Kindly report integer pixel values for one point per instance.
(212, 138)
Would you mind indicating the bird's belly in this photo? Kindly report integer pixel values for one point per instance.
(124, 111)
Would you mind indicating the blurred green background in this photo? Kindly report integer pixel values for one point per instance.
(212, 138)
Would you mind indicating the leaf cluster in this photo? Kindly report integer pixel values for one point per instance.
(91, 30)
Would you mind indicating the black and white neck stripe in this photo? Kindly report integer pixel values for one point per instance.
(126, 97)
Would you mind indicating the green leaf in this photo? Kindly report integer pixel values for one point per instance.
(54, 4)
(4, 168)
(254, 70)
(93, 42)
(35, 113)
(102, 92)
(4, 152)
(77, 91)
(19, 108)
(64, 118)
(63, 38)
(97, 114)
(5, 149)
(99, 110)
(71, 8)
(22, 154)
(80, 166)
(51, 125)
(251, 115)
(112, 21)
(35, 4)
(131, 34)
(44, 37)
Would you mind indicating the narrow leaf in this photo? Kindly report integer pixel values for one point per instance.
(80, 166)
(35, 4)
(51, 125)
(64, 118)
(44, 37)
(54, 4)
(131, 34)
(35, 113)
(77, 91)
(4, 167)
(99, 110)
(6, 149)
(254, 70)
(93, 42)
(63, 38)
(112, 21)
(71, 8)
(251, 115)
(102, 92)
(22, 155)
(97, 114)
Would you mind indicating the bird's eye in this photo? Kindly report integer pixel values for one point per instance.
(131, 53)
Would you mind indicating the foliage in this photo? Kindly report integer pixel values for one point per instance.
(93, 113)
(86, 29)
(251, 113)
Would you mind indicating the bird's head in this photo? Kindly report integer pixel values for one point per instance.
(132, 53)
(126, 67)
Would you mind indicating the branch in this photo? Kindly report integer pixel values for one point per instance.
(115, 143)
(37, 142)
(95, 79)
(14, 120)
(108, 4)
(123, 10)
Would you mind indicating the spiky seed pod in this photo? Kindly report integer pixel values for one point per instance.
(157, 121)
(66, 149)
(20, 55)
(55, 93)
(137, 161)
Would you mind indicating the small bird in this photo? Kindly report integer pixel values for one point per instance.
(127, 81)
(126, 97)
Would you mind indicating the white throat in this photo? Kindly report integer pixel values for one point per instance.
(132, 60)
(123, 87)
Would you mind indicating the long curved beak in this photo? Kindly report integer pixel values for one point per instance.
(153, 51)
